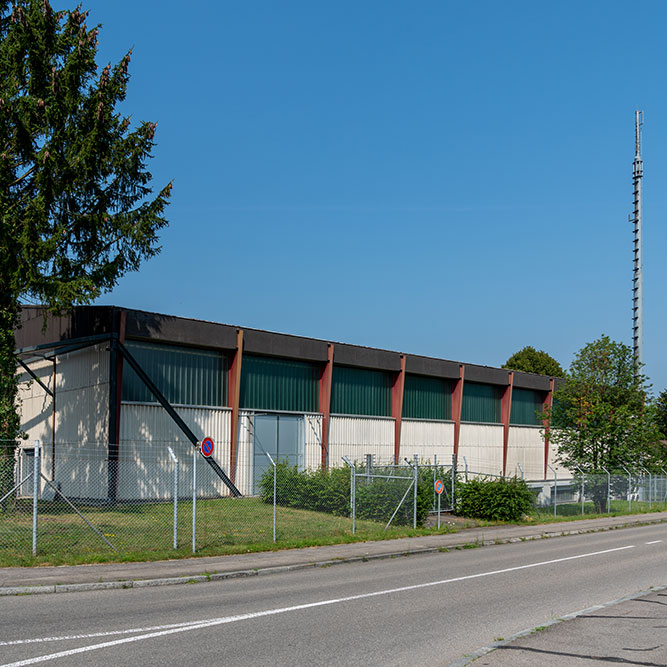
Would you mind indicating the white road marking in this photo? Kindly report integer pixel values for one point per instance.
(108, 633)
(197, 625)
(654, 542)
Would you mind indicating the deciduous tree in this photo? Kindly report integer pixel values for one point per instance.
(602, 415)
(530, 360)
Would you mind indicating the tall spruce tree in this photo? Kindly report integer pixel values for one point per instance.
(76, 207)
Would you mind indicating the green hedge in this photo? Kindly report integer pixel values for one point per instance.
(494, 499)
(329, 491)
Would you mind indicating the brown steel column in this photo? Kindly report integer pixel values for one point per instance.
(457, 405)
(325, 402)
(233, 395)
(397, 392)
(505, 414)
(547, 407)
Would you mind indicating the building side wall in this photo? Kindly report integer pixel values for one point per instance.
(74, 456)
(36, 405)
(82, 396)
(525, 448)
(482, 447)
(313, 441)
(355, 437)
(427, 439)
(145, 469)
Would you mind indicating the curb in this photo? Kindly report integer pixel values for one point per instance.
(235, 574)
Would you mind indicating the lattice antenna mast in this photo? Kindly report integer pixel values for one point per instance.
(636, 219)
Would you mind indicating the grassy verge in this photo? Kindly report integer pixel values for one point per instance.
(572, 511)
(144, 532)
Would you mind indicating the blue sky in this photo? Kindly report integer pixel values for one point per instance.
(441, 178)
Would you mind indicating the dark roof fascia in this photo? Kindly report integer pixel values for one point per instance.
(80, 322)
(154, 327)
(84, 322)
(366, 357)
(486, 375)
(531, 381)
(442, 368)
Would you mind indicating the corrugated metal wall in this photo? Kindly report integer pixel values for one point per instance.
(481, 403)
(36, 404)
(186, 376)
(279, 384)
(526, 404)
(426, 439)
(313, 438)
(427, 398)
(355, 437)
(526, 447)
(82, 396)
(482, 445)
(81, 470)
(358, 391)
(144, 464)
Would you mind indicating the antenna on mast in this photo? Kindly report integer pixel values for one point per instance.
(636, 219)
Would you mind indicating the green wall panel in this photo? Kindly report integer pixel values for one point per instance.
(186, 376)
(427, 398)
(526, 403)
(481, 403)
(358, 391)
(279, 384)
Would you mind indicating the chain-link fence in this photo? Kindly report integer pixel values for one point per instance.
(159, 500)
(88, 502)
(601, 493)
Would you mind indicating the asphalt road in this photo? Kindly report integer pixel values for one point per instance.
(420, 610)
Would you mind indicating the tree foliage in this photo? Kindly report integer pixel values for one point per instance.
(602, 416)
(530, 360)
(76, 206)
(661, 413)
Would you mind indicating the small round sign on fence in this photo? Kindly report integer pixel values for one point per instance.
(207, 447)
(439, 486)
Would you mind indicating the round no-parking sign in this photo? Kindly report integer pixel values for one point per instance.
(207, 447)
(439, 486)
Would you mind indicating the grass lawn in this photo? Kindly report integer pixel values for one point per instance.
(572, 511)
(142, 532)
(145, 531)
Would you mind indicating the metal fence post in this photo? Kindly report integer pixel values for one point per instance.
(465, 463)
(435, 476)
(650, 502)
(194, 498)
(520, 470)
(414, 508)
(275, 480)
(174, 460)
(629, 488)
(36, 483)
(352, 491)
(555, 489)
(608, 490)
(453, 479)
(581, 472)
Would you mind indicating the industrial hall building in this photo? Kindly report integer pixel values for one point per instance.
(132, 386)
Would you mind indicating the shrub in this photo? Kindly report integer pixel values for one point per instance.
(329, 491)
(378, 500)
(496, 499)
